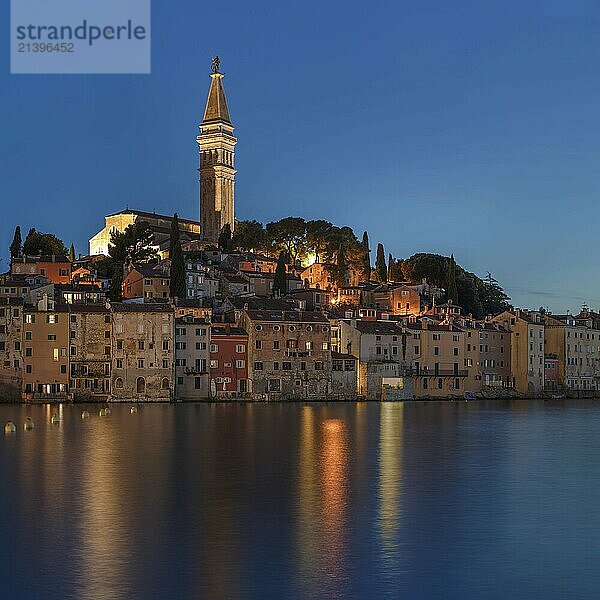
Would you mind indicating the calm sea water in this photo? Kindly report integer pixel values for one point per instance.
(416, 500)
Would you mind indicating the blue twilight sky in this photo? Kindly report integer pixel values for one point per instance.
(468, 127)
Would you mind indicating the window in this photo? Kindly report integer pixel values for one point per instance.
(276, 328)
(119, 383)
(200, 345)
(325, 345)
(201, 331)
(119, 344)
(141, 345)
(107, 318)
(287, 366)
(276, 345)
(52, 319)
(274, 385)
(29, 318)
(165, 345)
(337, 365)
(119, 328)
(165, 383)
(214, 364)
(140, 385)
(309, 345)
(180, 345)
(440, 384)
(51, 337)
(258, 366)
(240, 364)
(436, 350)
(140, 363)
(197, 383)
(55, 355)
(455, 351)
(240, 348)
(258, 345)
(319, 365)
(276, 366)
(28, 351)
(214, 348)
(119, 363)
(165, 363)
(28, 369)
(302, 366)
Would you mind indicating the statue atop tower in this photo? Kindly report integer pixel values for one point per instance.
(217, 152)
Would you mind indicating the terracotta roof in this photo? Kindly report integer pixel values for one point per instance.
(224, 330)
(285, 316)
(340, 356)
(140, 308)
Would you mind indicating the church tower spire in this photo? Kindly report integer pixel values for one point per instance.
(217, 152)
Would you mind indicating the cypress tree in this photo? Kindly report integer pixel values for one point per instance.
(280, 280)
(366, 263)
(177, 286)
(115, 291)
(452, 290)
(72, 253)
(390, 267)
(225, 238)
(380, 266)
(15, 247)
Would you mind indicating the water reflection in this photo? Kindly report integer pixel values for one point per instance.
(390, 482)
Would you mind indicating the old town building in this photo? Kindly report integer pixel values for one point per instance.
(527, 349)
(150, 282)
(228, 362)
(90, 351)
(11, 324)
(289, 353)
(192, 356)
(143, 352)
(45, 351)
(56, 269)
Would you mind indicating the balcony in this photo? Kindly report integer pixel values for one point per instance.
(425, 372)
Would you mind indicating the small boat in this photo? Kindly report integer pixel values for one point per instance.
(469, 396)
(558, 396)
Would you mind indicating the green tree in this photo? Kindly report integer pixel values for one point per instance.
(177, 283)
(366, 261)
(43, 244)
(288, 235)
(115, 290)
(225, 238)
(317, 237)
(280, 279)
(72, 253)
(249, 235)
(132, 245)
(15, 247)
(451, 287)
(493, 298)
(380, 266)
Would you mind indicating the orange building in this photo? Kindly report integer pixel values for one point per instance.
(56, 269)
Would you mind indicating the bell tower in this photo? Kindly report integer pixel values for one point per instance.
(217, 152)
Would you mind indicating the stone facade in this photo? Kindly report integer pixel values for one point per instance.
(143, 351)
(90, 352)
(192, 356)
(11, 324)
(217, 160)
(289, 354)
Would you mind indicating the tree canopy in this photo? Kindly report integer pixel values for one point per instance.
(43, 244)
(15, 247)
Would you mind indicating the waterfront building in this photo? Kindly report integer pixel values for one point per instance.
(199, 279)
(492, 345)
(11, 324)
(289, 353)
(90, 351)
(45, 356)
(576, 346)
(527, 349)
(385, 358)
(143, 351)
(344, 369)
(216, 144)
(159, 224)
(192, 356)
(228, 361)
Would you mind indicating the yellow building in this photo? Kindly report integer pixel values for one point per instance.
(160, 225)
(526, 349)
